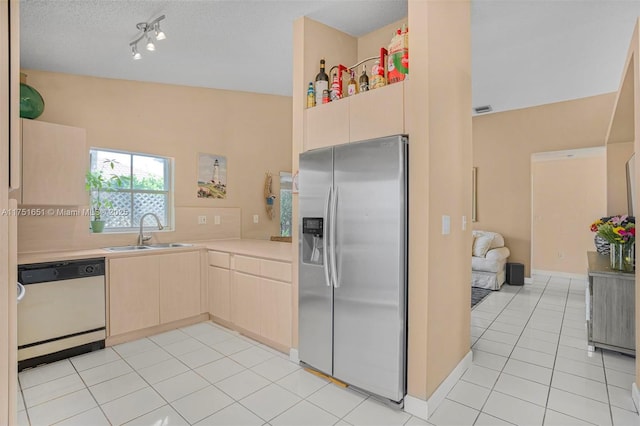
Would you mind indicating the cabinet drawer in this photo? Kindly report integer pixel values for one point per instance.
(277, 270)
(219, 259)
(250, 265)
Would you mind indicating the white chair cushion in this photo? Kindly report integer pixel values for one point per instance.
(481, 245)
(498, 240)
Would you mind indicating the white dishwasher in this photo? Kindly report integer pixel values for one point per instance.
(63, 311)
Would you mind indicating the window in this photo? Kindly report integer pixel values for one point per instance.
(285, 204)
(145, 187)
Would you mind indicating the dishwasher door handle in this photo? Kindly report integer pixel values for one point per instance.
(21, 292)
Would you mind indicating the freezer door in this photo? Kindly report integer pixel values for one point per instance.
(315, 293)
(370, 298)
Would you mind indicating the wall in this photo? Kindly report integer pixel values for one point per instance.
(568, 193)
(502, 147)
(369, 44)
(617, 156)
(252, 130)
(440, 161)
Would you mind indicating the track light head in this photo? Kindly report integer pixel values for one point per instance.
(159, 33)
(150, 46)
(134, 52)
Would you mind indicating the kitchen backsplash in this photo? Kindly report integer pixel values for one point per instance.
(51, 233)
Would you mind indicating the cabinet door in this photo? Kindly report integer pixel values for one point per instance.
(54, 162)
(179, 286)
(246, 302)
(613, 316)
(377, 113)
(327, 125)
(219, 293)
(275, 301)
(133, 294)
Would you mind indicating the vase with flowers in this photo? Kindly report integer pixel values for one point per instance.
(620, 232)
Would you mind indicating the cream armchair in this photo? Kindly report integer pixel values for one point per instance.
(488, 261)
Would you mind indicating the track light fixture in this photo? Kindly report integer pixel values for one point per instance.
(149, 30)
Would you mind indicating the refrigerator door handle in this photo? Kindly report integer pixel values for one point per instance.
(333, 227)
(325, 245)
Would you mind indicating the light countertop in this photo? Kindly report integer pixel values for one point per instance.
(257, 248)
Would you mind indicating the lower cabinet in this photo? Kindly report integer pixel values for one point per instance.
(145, 291)
(179, 286)
(252, 295)
(275, 311)
(134, 291)
(220, 293)
(246, 312)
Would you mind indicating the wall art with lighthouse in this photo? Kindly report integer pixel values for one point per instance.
(212, 176)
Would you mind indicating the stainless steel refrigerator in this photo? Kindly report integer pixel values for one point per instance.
(353, 264)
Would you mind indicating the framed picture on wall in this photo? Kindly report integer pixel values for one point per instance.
(212, 176)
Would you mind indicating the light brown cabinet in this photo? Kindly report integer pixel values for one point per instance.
(146, 291)
(252, 295)
(367, 115)
(134, 291)
(55, 159)
(220, 293)
(275, 312)
(246, 303)
(179, 286)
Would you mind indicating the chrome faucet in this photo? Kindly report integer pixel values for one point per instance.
(144, 238)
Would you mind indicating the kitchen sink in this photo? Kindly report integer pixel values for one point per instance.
(149, 247)
(170, 245)
(127, 248)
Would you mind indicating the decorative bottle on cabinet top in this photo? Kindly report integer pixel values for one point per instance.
(322, 82)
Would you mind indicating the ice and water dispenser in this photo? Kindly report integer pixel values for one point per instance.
(312, 246)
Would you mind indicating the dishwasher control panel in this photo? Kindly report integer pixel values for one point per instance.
(56, 271)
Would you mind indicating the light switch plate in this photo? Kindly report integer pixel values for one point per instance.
(216, 220)
(446, 225)
(202, 220)
(256, 218)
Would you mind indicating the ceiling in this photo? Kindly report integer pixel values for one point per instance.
(525, 52)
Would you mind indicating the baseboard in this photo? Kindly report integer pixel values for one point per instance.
(416, 407)
(293, 355)
(559, 274)
(421, 408)
(635, 395)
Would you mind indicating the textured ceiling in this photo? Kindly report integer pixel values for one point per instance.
(534, 52)
(525, 52)
(235, 45)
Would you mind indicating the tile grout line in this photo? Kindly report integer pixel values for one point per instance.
(480, 411)
(511, 353)
(553, 368)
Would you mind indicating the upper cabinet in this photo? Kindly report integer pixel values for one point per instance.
(366, 115)
(54, 162)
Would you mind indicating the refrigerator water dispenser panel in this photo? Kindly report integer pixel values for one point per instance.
(312, 244)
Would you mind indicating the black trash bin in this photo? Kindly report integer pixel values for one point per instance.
(515, 273)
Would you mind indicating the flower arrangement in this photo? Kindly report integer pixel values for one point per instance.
(620, 229)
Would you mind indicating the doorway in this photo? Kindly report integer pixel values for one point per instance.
(568, 192)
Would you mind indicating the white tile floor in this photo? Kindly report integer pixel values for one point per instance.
(202, 374)
(530, 367)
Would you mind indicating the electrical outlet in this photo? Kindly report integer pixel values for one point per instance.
(202, 220)
(256, 218)
(216, 220)
(464, 223)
